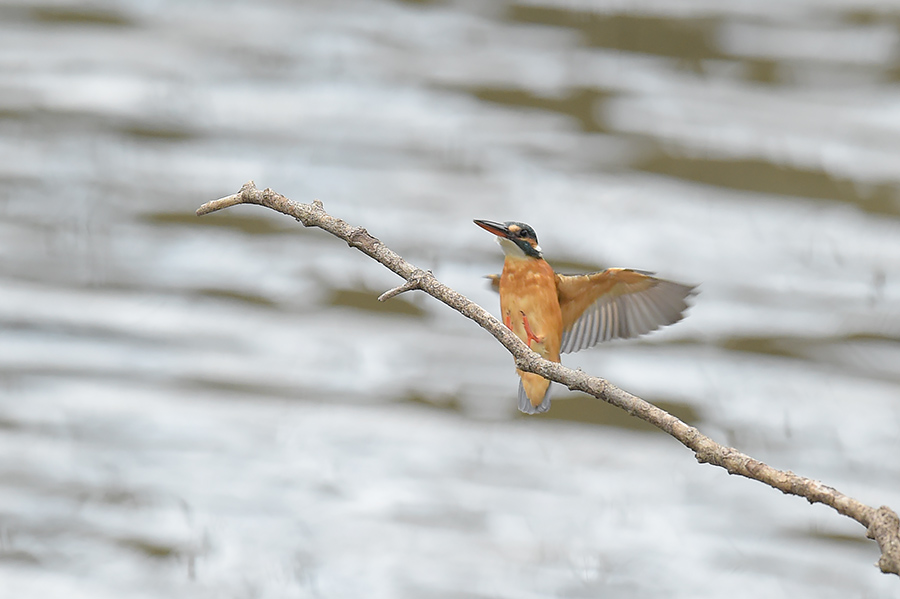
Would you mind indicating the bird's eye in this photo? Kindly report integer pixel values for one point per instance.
(523, 233)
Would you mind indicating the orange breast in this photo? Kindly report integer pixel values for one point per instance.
(530, 307)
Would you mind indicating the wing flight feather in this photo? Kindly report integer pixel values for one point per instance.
(617, 303)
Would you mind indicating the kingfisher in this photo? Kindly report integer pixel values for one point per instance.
(553, 313)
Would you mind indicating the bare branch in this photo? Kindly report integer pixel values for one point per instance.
(882, 524)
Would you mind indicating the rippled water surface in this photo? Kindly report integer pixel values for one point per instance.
(218, 407)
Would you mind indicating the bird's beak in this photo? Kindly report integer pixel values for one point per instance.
(498, 229)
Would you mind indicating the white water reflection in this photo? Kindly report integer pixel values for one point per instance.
(216, 407)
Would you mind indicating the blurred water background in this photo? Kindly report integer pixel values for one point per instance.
(218, 407)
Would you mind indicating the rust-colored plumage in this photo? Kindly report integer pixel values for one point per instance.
(534, 316)
(555, 313)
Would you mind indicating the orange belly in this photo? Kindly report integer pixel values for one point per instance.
(529, 304)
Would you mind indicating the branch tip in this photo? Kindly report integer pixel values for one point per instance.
(414, 282)
(407, 286)
(216, 205)
(243, 196)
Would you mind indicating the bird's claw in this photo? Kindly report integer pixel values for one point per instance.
(529, 332)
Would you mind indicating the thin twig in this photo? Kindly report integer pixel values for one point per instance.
(882, 524)
(412, 283)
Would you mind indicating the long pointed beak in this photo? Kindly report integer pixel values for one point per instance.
(498, 229)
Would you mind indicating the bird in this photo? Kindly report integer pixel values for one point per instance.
(554, 313)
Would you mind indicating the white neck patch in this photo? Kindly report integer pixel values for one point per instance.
(511, 249)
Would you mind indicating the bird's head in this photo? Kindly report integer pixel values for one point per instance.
(515, 238)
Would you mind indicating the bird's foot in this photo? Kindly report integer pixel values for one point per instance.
(529, 332)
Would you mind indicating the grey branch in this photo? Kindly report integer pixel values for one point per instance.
(882, 524)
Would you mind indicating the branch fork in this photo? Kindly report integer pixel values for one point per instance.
(415, 281)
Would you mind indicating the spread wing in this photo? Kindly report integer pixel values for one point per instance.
(616, 303)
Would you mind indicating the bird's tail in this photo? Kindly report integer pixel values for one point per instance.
(525, 404)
